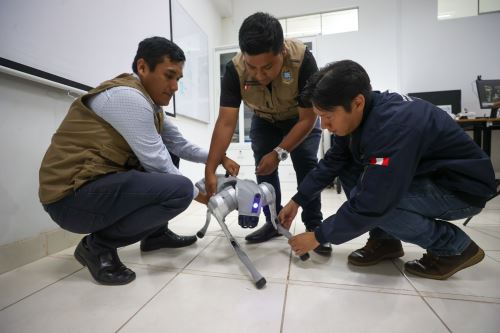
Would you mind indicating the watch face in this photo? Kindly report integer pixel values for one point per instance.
(282, 154)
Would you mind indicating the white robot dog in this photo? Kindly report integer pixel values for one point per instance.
(248, 198)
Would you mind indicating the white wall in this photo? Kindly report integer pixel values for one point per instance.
(401, 44)
(206, 15)
(30, 115)
(31, 112)
(448, 54)
(374, 46)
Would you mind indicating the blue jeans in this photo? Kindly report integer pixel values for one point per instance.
(122, 208)
(420, 216)
(265, 137)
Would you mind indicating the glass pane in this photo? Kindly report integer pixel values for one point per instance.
(339, 21)
(247, 122)
(487, 6)
(224, 58)
(451, 9)
(283, 25)
(309, 46)
(303, 26)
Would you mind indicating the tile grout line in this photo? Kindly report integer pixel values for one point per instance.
(492, 258)
(39, 290)
(407, 292)
(422, 297)
(286, 291)
(162, 288)
(360, 287)
(485, 233)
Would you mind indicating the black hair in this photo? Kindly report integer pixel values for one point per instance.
(153, 49)
(261, 33)
(337, 84)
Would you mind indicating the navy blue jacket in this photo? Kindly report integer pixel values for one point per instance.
(398, 139)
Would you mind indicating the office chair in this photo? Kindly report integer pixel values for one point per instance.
(494, 196)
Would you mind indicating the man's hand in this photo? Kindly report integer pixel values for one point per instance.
(267, 164)
(231, 166)
(288, 213)
(202, 198)
(303, 243)
(210, 184)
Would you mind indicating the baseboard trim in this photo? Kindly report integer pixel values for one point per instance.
(23, 252)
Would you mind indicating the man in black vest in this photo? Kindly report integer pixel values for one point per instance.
(269, 75)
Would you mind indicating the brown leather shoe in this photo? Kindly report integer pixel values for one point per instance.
(375, 251)
(442, 267)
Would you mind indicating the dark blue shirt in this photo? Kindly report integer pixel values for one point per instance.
(398, 139)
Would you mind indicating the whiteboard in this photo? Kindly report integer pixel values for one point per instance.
(84, 41)
(192, 98)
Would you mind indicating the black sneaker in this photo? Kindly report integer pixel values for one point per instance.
(168, 239)
(375, 251)
(265, 233)
(442, 267)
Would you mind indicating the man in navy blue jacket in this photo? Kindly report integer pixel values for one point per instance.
(406, 168)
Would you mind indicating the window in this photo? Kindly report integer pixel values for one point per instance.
(303, 26)
(242, 131)
(321, 24)
(452, 9)
(338, 22)
(489, 6)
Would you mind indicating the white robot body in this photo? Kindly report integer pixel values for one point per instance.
(248, 198)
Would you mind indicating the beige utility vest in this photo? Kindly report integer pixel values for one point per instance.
(281, 103)
(85, 146)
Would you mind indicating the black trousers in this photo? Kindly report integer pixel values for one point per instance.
(122, 208)
(265, 137)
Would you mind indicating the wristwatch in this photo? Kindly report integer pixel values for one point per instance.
(282, 153)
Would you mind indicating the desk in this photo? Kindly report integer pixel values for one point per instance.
(482, 128)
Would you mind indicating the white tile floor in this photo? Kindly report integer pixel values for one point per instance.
(205, 288)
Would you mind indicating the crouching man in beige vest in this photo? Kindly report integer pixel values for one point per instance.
(108, 171)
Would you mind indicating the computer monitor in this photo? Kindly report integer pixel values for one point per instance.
(448, 100)
(488, 92)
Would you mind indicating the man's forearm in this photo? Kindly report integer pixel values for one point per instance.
(217, 150)
(221, 138)
(300, 130)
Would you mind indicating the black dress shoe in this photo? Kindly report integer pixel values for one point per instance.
(322, 249)
(168, 239)
(106, 268)
(265, 233)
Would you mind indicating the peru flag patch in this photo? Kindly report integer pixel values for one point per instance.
(383, 161)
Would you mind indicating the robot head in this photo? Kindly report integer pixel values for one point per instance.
(249, 203)
(244, 195)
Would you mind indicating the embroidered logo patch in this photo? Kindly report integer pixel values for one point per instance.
(383, 161)
(286, 77)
